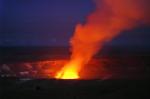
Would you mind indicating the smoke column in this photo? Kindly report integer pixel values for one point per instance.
(109, 19)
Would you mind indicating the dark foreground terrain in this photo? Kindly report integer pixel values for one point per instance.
(123, 74)
(15, 88)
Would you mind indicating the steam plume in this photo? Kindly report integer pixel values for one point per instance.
(109, 19)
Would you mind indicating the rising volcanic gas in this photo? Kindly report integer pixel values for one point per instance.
(107, 21)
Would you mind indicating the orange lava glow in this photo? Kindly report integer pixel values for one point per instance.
(67, 74)
(69, 71)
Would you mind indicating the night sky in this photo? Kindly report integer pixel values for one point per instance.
(52, 22)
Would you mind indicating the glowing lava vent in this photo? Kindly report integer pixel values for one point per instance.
(69, 71)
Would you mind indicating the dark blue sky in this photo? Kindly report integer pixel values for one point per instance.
(52, 22)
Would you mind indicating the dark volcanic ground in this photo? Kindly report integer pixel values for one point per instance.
(14, 88)
(116, 74)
